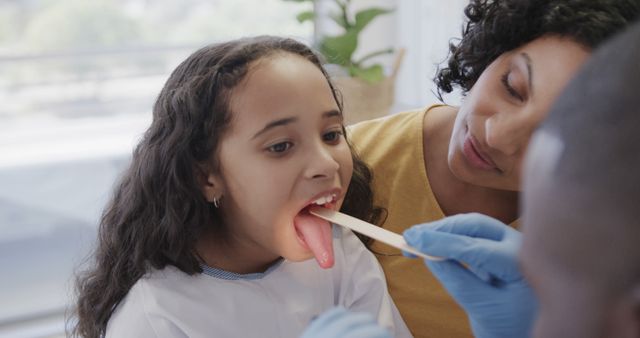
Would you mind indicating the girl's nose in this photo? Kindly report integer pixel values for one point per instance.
(321, 163)
(508, 133)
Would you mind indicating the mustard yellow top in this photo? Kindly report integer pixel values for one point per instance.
(393, 149)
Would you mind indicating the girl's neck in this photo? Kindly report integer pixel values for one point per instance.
(232, 255)
(453, 195)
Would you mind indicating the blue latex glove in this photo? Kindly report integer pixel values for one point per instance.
(491, 290)
(340, 323)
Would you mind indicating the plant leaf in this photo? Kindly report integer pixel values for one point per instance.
(339, 49)
(372, 74)
(305, 16)
(339, 19)
(372, 55)
(364, 17)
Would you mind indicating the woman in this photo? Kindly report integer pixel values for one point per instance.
(513, 60)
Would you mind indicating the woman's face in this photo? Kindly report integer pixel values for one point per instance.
(499, 114)
(284, 150)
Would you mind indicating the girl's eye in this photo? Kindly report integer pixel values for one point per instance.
(281, 147)
(332, 136)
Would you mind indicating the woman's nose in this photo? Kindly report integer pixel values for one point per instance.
(321, 163)
(508, 133)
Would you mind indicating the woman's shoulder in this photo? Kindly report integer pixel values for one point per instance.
(389, 124)
(399, 127)
(439, 118)
(388, 141)
(379, 137)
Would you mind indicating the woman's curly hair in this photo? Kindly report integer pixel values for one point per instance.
(496, 27)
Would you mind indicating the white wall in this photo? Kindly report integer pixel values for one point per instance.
(423, 28)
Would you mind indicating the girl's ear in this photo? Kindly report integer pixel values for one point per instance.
(211, 184)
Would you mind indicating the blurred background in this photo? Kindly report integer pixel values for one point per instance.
(77, 82)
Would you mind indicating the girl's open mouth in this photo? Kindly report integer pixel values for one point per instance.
(315, 233)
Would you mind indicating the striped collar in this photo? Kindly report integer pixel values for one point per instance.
(227, 275)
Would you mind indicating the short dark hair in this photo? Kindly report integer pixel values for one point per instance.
(158, 210)
(596, 178)
(496, 27)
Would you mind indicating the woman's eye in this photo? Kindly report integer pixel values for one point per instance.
(507, 85)
(280, 147)
(332, 136)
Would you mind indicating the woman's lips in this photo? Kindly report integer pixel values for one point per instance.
(474, 157)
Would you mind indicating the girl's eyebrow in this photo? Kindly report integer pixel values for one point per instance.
(332, 113)
(276, 123)
(287, 120)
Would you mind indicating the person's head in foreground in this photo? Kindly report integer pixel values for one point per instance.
(514, 58)
(581, 250)
(245, 136)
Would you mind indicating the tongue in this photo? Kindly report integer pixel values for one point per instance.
(316, 233)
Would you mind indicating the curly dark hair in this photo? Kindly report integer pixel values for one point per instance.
(158, 211)
(496, 27)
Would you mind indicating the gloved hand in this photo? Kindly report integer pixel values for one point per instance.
(340, 323)
(491, 289)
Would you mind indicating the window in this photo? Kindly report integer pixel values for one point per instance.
(77, 82)
(424, 28)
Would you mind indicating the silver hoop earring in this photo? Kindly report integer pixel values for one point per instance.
(216, 202)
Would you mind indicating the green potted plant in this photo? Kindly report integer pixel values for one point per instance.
(366, 90)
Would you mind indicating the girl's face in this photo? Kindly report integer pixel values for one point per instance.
(284, 150)
(509, 100)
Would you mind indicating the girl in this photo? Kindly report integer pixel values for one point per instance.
(208, 234)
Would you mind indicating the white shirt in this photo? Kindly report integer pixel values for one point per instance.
(277, 303)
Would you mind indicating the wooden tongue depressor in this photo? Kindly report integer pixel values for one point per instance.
(370, 230)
